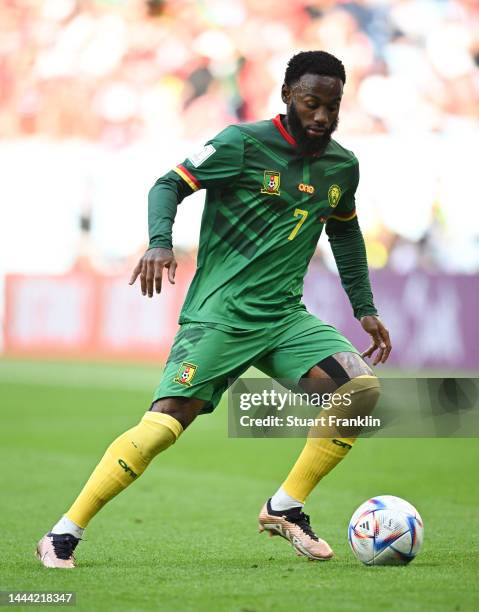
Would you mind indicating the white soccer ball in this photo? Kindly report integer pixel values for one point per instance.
(386, 530)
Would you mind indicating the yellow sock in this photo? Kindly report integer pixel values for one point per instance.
(321, 454)
(318, 458)
(124, 460)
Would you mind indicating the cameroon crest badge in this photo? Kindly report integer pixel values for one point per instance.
(271, 182)
(334, 194)
(185, 373)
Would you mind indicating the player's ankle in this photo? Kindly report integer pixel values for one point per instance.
(282, 501)
(65, 525)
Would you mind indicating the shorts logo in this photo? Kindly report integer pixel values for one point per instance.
(185, 373)
(271, 181)
(306, 188)
(334, 194)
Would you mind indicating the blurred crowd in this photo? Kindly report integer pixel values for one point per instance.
(121, 72)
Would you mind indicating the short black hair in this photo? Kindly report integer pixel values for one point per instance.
(314, 62)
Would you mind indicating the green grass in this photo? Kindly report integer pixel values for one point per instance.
(184, 537)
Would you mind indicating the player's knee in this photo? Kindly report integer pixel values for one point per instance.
(364, 391)
(183, 409)
(359, 398)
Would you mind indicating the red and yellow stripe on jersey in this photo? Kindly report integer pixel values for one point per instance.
(348, 216)
(187, 177)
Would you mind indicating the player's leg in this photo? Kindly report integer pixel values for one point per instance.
(194, 379)
(318, 358)
(124, 461)
(326, 446)
(129, 455)
(177, 402)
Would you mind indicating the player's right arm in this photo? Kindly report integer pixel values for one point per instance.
(163, 200)
(218, 163)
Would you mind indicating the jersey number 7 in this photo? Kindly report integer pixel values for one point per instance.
(298, 213)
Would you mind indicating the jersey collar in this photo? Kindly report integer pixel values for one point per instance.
(283, 131)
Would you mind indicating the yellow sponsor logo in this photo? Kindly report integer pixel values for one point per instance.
(185, 373)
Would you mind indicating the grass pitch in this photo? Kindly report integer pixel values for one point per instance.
(184, 537)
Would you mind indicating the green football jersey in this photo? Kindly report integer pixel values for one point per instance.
(264, 212)
(265, 208)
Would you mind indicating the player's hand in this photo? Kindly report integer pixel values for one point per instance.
(380, 340)
(150, 270)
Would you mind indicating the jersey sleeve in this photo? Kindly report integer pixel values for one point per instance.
(347, 244)
(346, 208)
(218, 163)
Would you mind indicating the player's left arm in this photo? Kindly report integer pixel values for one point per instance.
(349, 250)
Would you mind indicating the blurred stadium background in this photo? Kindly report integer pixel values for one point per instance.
(97, 99)
(100, 97)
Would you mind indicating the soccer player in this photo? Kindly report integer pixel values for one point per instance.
(271, 187)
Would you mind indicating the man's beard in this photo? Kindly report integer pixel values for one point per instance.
(306, 144)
